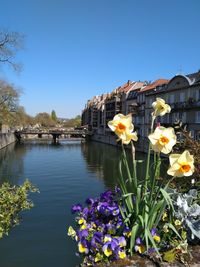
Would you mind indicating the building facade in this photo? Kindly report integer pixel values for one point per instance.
(181, 92)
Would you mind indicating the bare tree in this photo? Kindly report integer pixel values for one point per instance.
(10, 44)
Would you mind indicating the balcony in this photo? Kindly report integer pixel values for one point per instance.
(191, 103)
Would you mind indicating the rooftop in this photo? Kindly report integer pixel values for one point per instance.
(155, 84)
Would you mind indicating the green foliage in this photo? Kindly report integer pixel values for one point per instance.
(170, 255)
(188, 212)
(13, 200)
(74, 122)
(44, 119)
(53, 115)
(21, 118)
(186, 142)
(9, 97)
(144, 202)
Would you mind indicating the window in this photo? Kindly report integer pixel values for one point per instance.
(183, 117)
(147, 132)
(193, 94)
(175, 117)
(182, 96)
(171, 99)
(197, 117)
(197, 95)
(167, 118)
(141, 132)
(162, 119)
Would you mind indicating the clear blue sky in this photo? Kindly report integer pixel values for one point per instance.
(75, 49)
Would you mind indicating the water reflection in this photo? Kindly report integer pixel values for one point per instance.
(12, 163)
(103, 160)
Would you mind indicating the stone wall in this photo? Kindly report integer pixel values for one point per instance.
(141, 146)
(6, 139)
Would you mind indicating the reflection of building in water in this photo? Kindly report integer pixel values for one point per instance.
(102, 160)
(11, 163)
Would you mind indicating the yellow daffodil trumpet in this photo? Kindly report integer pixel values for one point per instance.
(160, 107)
(181, 164)
(163, 139)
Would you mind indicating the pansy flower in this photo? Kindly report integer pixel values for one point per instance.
(139, 247)
(154, 234)
(77, 208)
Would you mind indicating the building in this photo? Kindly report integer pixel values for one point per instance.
(181, 92)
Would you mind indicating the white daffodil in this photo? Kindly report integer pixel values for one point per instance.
(123, 127)
(181, 164)
(163, 139)
(160, 107)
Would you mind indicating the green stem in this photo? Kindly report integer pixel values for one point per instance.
(148, 159)
(155, 175)
(137, 197)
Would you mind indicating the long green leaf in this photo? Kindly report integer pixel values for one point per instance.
(173, 229)
(153, 242)
(156, 211)
(134, 232)
(167, 198)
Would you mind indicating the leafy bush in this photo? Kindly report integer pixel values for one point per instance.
(187, 142)
(13, 200)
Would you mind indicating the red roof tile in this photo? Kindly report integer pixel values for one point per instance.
(154, 84)
(126, 87)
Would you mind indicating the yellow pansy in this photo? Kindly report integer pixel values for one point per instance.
(107, 251)
(181, 164)
(94, 225)
(107, 239)
(123, 127)
(83, 226)
(177, 222)
(98, 257)
(71, 232)
(140, 248)
(164, 217)
(122, 254)
(156, 238)
(160, 107)
(163, 139)
(165, 228)
(81, 221)
(82, 248)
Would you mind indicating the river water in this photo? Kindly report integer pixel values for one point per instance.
(65, 174)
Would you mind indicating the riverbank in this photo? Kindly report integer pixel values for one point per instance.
(141, 146)
(6, 139)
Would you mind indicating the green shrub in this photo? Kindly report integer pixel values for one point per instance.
(13, 200)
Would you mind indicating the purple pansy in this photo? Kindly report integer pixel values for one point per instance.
(77, 208)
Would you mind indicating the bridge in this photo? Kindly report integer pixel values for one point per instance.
(56, 134)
